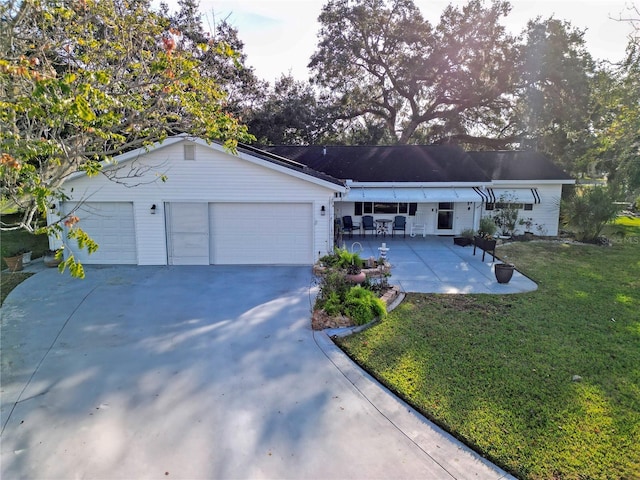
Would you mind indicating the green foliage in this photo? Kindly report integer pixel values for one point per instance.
(362, 305)
(506, 216)
(496, 370)
(292, 113)
(333, 282)
(343, 259)
(588, 210)
(467, 233)
(488, 227)
(21, 240)
(338, 296)
(616, 123)
(82, 82)
(553, 107)
(382, 59)
(333, 303)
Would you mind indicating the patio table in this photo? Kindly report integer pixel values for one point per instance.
(383, 226)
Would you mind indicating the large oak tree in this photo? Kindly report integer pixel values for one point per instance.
(382, 58)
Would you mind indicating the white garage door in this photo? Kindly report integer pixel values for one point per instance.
(188, 233)
(261, 234)
(111, 225)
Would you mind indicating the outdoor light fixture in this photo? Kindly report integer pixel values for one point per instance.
(153, 209)
(322, 211)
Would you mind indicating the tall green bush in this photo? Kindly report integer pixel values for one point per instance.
(588, 210)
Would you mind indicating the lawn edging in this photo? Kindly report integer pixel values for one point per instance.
(430, 438)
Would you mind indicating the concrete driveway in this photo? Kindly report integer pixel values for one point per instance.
(197, 372)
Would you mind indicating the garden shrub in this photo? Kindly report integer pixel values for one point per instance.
(588, 210)
(362, 305)
(333, 304)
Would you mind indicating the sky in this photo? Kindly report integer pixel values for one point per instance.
(281, 35)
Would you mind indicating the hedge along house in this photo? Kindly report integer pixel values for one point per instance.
(441, 190)
(214, 207)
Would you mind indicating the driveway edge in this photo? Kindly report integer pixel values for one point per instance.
(460, 461)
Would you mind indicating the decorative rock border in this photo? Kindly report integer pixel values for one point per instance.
(375, 272)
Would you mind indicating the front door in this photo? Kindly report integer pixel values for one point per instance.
(445, 218)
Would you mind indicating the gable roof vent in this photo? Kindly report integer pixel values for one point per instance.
(189, 151)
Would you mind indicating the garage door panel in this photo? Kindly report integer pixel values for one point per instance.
(271, 234)
(112, 226)
(188, 233)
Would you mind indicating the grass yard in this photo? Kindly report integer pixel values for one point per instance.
(12, 241)
(498, 371)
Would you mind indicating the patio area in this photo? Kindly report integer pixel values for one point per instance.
(434, 264)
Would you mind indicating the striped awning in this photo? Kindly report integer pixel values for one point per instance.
(517, 195)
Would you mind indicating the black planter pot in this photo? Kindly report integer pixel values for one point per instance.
(504, 272)
(462, 241)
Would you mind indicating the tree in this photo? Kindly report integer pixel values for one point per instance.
(381, 58)
(291, 114)
(225, 60)
(85, 81)
(552, 112)
(616, 148)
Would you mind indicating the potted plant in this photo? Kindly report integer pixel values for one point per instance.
(13, 259)
(352, 264)
(26, 256)
(52, 258)
(484, 239)
(465, 238)
(504, 272)
(487, 228)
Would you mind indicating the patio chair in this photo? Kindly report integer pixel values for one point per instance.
(419, 225)
(399, 224)
(349, 226)
(367, 224)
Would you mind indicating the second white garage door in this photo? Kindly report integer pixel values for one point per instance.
(261, 234)
(111, 225)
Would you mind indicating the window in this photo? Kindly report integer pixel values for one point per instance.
(388, 208)
(367, 208)
(489, 206)
(528, 206)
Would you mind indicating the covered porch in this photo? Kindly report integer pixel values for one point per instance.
(433, 264)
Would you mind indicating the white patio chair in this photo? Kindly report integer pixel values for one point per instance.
(419, 225)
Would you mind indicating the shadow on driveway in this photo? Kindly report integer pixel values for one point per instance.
(196, 372)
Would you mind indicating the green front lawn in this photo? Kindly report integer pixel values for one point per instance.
(13, 241)
(498, 371)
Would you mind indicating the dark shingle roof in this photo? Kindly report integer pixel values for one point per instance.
(518, 165)
(289, 162)
(395, 163)
(421, 163)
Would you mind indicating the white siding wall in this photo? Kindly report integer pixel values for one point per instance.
(214, 176)
(463, 216)
(547, 212)
(544, 214)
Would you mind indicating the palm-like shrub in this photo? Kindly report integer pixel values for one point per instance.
(588, 210)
